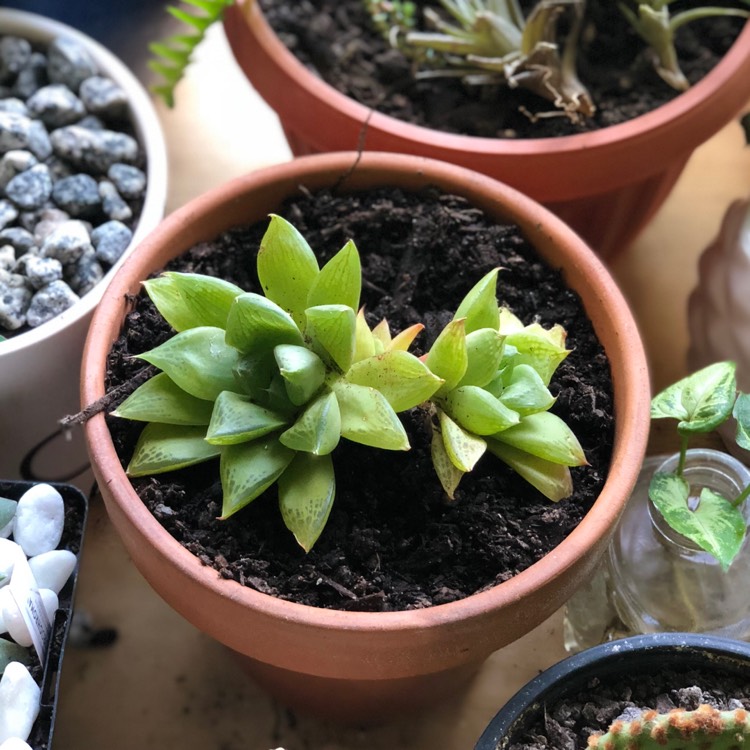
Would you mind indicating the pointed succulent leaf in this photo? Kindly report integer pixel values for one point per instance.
(257, 324)
(404, 380)
(463, 448)
(741, 413)
(509, 323)
(448, 357)
(332, 329)
(249, 469)
(403, 340)
(190, 300)
(168, 447)
(382, 334)
(543, 349)
(448, 473)
(339, 281)
(552, 480)
(318, 429)
(303, 372)
(478, 411)
(715, 525)
(287, 267)
(701, 401)
(368, 418)
(7, 511)
(198, 361)
(306, 493)
(254, 371)
(545, 435)
(364, 341)
(479, 307)
(160, 399)
(236, 419)
(526, 393)
(484, 349)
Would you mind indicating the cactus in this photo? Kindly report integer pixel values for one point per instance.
(705, 728)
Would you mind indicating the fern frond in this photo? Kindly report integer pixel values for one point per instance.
(171, 56)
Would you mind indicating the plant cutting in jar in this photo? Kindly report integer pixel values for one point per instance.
(701, 402)
(270, 384)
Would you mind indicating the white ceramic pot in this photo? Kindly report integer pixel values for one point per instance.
(39, 369)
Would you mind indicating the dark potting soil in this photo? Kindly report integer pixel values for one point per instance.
(393, 541)
(337, 40)
(567, 724)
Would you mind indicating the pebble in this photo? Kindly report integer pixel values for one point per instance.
(15, 743)
(39, 519)
(63, 157)
(52, 569)
(20, 699)
(9, 553)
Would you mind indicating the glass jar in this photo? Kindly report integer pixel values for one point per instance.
(654, 579)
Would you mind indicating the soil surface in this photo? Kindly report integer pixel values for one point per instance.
(393, 541)
(568, 724)
(337, 40)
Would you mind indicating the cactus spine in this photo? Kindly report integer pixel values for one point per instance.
(705, 728)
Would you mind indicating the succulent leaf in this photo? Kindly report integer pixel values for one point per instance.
(160, 399)
(364, 341)
(318, 429)
(484, 350)
(248, 469)
(287, 267)
(463, 448)
(7, 511)
(254, 371)
(526, 393)
(402, 341)
(538, 347)
(478, 411)
(404, 380)
(198, 361)
(332, 329)
(368, 418)
(448, 473)
(189, 300)
(448, 357)
(382, 335)
(166, 447)
(303, 372)
(236, 419)
(256, 323)
(479, 307)
(306, 493)
(339, 281)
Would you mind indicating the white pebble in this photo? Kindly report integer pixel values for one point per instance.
(39, 520)
(9, 553)
(5, 595)
(6, 531)
(20, 697)
(52, 569)
(13, 620)
(15, 743)
(50, 602)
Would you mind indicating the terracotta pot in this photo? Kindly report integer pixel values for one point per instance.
(364, 665)
(705, 654)
(606, 184)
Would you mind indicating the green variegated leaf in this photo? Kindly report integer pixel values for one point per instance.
(364, 341)
(254, 371)
(339, 281)
(332, 329)
(448, 473)
(303, 372)
(287, 268)
(463, 448)
(399, 376)
(306, 492)
(478, 411)
(368, 418)
(236, 419)
(168, 447)
(198, 361)
(248, 469)
(256, 324)
(484, 350)
(318, 428)
(701, 401)
(448, 357)
(715, 525)
(741, 413)
(479, 307)
(538, 347)
(190, 300)
(526, 393)
(552, 480)
(7, 511)
(160, 399)
(547, 436)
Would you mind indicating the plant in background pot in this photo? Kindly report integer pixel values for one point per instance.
(611, 687)
(314, 642)
(79, 139)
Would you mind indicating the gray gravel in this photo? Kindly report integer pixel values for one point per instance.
(72, 179)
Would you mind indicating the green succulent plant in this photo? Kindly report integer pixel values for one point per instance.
(490, 41)
(706, 728)
(656, 26)
(269, 384)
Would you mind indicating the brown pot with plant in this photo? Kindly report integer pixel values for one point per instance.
(336, 372)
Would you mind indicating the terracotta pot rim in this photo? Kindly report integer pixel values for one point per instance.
(631, 434)
(734, 66)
